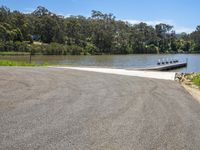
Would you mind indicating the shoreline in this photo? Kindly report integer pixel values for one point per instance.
(13, 53)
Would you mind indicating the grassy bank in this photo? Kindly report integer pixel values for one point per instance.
(196, 79)
(193, 78)
(14, 53)
(15, 63)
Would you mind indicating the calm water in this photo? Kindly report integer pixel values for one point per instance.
(114, 61)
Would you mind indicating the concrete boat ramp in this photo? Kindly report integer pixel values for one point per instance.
(136, 73)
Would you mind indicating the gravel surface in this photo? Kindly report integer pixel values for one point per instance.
(61, 109)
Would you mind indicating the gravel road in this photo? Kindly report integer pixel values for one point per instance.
(61, 109)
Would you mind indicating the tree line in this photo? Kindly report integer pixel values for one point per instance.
(44, 32)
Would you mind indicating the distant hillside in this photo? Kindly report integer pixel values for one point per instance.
(98, 34)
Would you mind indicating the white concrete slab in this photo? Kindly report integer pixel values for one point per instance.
(136, 73)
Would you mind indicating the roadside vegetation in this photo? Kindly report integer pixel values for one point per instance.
(44, 32)
(14, 53)
(16, 63)
(196, 79)
(190, 79)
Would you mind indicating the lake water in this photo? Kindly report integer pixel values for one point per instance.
(114, 61)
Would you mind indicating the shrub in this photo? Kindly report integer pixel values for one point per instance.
(20, 46)
(2, 48)
(152, 49)
(75, 50)
(91, 49)
(196, 80)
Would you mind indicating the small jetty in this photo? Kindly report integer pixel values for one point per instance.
(167, 64)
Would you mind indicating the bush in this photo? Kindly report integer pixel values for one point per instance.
(75, 50)
(53, 49)
(152, 49)
(9, 46)
(196, 80)
(91, 49)
(2, 48)
(20, 47)
(56, 49)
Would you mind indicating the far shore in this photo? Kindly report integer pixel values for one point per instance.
(13, 53)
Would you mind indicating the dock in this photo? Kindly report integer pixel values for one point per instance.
(167, 66)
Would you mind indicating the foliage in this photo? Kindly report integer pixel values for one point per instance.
(196, 80)
(99, 34)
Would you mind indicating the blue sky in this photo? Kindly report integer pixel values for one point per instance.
(183, 14)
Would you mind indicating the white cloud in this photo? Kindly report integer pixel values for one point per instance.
(180, 29)
(65, 16)
(149, 22)
(177, 28)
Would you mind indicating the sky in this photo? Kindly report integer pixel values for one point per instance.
(182, 14)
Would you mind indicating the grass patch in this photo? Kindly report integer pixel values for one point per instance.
(16, 63)
(196, 79)
(14, 53)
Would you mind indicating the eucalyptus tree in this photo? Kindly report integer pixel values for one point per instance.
(195, 36)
